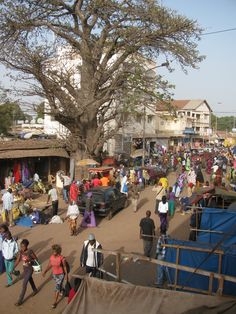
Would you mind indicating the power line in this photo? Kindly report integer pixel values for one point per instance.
(224, 111)
(220, 31)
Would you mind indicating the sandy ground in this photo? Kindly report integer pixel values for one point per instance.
(122, 232)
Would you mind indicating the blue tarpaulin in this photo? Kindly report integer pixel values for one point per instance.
(216, 219)
(24, 222)
(194, 259)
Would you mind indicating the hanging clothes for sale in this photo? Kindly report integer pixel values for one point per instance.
(24, 173)
(17, 172)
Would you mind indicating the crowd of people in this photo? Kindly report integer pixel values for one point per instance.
(192, 172)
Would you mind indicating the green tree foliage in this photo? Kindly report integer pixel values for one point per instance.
(226, 123)
(40, 110)
(112, 38)
(9, 113)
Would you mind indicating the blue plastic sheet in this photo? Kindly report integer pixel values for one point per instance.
(24, 222)
(218, 220)
(194, 259)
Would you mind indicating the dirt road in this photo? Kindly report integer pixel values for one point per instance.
(122, 232)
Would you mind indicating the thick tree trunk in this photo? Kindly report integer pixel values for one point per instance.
(80, 172)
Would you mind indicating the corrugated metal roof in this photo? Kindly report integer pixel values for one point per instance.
(193, 104)
(30, 144)
(184, 104)
(180, 104)
(48, 152)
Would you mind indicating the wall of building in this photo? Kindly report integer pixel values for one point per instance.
(199, 120)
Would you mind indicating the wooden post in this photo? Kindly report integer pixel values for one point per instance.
(221, 286)
(177, 263)
(211, 279)
(172, 265)
(196, 212)
(118, 262)
(49, 167)
(220, 263)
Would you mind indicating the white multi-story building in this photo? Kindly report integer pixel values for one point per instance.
(189, 114)
(184, 119)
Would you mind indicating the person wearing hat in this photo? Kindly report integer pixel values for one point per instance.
(90, 259)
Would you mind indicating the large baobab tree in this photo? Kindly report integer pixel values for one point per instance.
(111, 39)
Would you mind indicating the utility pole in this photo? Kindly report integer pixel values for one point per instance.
(144, 135)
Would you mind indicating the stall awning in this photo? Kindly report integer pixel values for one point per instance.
(100, 169)
(50, 152)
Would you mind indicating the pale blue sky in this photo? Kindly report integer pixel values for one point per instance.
(215, 81)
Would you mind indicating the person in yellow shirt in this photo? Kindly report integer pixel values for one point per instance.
(164, 182)
(105, 181)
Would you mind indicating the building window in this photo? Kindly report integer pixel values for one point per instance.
(149, 118)
(197, 129)
(206, 116)
(188, 113)
(139, 117)
(198, 116)
(125, 116)
(193, 115)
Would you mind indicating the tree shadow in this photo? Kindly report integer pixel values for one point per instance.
(182, 231)
(44, 256)
(132, 270)
(71, 258)
(22, 234)
(142, 202)
(38, 246)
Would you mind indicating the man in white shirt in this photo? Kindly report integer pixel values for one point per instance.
(36, 178)
(215, 168)
(9, 252)
(66, 187)
(90, 259)
(8, 201)
(52, 194)
(163, 210)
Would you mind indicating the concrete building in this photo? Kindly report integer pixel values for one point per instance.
(184, 121)
(188, 120)
(136, 127)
